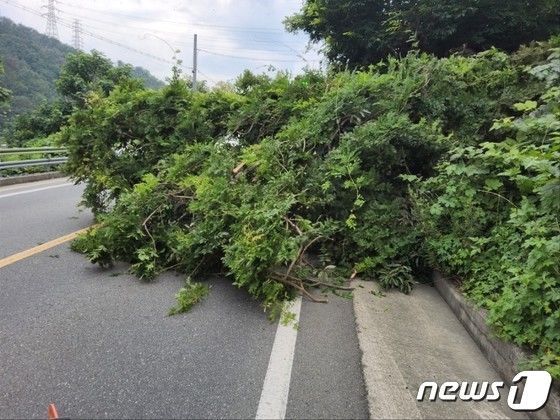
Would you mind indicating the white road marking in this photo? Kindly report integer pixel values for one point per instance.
(274, 395)
(35, 190)
(22, 186)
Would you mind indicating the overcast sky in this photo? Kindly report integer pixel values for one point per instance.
(232, 34)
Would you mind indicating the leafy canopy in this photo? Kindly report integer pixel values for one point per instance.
(251, 176)
(359, 33)
(289, 183)
(32, 63)
(4, 93)
(491, 215)
(81, 74)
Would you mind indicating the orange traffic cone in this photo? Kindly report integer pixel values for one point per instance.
(52, 413)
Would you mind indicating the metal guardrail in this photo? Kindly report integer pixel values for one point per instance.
(54, 156)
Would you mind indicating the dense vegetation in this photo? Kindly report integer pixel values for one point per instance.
(32, 64)
(80, 74)
(289, 183)
(490, 215)
(404, 164)
(4, 93)
(358, 33)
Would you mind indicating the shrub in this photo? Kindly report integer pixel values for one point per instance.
(188, 296)
(490, 215)
(414, 163)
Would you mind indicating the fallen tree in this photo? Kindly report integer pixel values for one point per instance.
(286, 184)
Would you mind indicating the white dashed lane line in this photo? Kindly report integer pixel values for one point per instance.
(274, 395)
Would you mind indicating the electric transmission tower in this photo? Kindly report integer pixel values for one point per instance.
(77, 34)
(52, 29)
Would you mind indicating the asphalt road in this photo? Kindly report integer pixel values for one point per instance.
(98, 342)
(37, 212)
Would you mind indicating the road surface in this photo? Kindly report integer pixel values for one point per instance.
(98, 342)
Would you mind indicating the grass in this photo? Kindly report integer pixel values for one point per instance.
(188, 296)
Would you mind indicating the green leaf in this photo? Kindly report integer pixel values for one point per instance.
(493, 184)
(525, 106)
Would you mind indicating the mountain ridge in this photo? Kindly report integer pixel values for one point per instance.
(32, 62)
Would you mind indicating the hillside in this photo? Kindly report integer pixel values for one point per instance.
(31, 65)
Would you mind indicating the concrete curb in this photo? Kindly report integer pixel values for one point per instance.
(409, 339)
(21, 179)
(505, 357)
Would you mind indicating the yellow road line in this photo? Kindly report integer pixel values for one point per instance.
(39, 248)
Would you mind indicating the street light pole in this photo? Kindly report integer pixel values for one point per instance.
(195, 61)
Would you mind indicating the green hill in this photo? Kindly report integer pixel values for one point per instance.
(32, 63)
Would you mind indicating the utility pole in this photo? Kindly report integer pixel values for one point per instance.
(195, 61)
(52, 29)
(77, 34)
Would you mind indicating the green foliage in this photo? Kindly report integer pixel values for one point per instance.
(48, 118)
(188, 296)
(4, 93)
(319, 162)
(269, 103)
(113, 142)
(491, 215)
(148, 79)
(415, 163)
(396, 276)
(33, 63)
(359, 33)
(83, 73)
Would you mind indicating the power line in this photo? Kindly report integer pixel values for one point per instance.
(182, 34)
(78, 31)
(207, 77)
(151, 19)
(253, 30)
(127, 47)
(258, 51)
(215, 42)
(91, 34)
(218, 44)
(252, 58)
(289, 52)
(143, 29)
